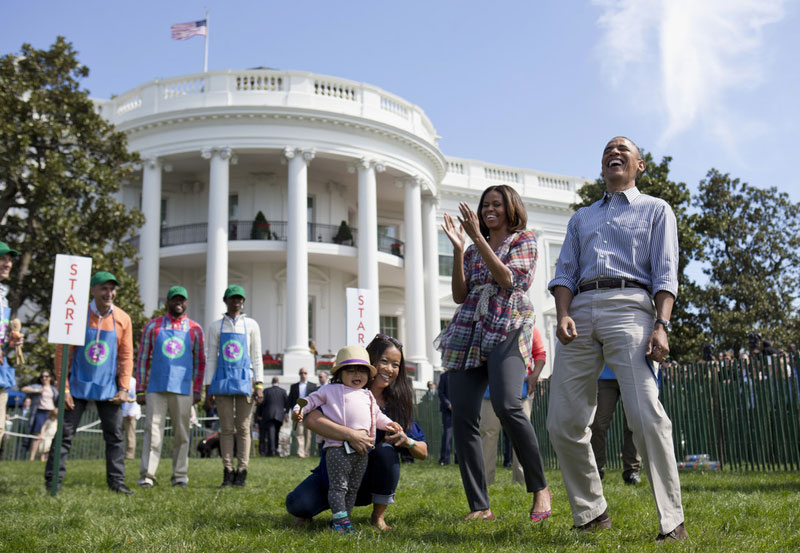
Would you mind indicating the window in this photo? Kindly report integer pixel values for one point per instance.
(387, 230)
(388, 325)
(554, 250)
(233, 207)
(445, 255)
(310, 218)
(443, 323)
(310, 317)
(163, 212)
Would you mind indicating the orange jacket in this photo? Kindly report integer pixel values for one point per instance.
(124, 346)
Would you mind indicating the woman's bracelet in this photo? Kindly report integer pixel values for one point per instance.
(410, 443)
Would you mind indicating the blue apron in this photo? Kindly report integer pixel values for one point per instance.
(93, 374)
(172, 365)
(7, 375)
(232, 377)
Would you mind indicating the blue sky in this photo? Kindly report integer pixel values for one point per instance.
(535, 84)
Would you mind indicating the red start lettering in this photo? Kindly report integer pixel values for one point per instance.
(360, 300)
(70, 313)
(360, 338)
(361, 326)
(68, 325)
(73, 269)
(70, 300)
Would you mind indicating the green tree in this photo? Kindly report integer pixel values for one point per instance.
(60, 166)
(751, 242)
(686, 339)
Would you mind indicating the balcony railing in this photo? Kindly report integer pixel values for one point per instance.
(276, 230)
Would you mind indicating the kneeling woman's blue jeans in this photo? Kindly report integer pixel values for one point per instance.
(310, 497)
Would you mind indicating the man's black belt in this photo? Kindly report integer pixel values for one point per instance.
(611, 283)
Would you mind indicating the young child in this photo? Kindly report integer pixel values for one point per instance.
(345, 401)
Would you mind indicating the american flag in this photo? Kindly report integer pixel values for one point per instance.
(182, 31)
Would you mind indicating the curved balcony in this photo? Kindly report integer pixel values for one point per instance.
(271, 89)
(276, 230)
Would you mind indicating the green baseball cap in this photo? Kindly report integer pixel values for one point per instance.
(233, 290)
(6, 249)
(177, 291)
(101, 277)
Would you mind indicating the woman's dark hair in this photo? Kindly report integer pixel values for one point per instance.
(41, 377)
(399, 395)
(515, 209)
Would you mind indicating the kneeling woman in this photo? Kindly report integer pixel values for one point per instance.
(393, 394)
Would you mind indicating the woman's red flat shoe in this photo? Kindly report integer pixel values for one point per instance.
(539, 516)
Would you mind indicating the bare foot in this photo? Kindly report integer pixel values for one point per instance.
(485, 514)
(379, 523)
(301, 522)
(542, 501)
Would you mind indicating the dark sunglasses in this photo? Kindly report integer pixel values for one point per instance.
(386, 338)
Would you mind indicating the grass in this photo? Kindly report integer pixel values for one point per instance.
(731, 512)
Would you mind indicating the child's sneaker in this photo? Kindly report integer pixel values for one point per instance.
(342, 525)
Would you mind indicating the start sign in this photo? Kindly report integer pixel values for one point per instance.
(70, 305)
(362, 316)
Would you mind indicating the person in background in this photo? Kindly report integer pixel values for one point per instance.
(446, 410)
(490, 424)
(297, 391)
(234, 378)
(7, 342)
(131, 413)
(170, 366)
(323, 378)
(608, 395)
(99, 371)
(270, 415)
(43, 399)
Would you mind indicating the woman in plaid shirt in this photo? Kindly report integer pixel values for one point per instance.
(489, 339)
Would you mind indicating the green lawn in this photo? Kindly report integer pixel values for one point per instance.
(725, 512)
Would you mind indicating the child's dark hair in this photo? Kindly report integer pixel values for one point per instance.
(336, 378)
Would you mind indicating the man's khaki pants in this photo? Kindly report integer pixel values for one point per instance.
(234, 418)
(179, 408)
(129, 432)
(490, 435)
(303, 436)
(613, 327)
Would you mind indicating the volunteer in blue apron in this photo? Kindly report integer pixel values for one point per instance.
(169, 375)
(7, 377)
(233, 380)
(99, 371)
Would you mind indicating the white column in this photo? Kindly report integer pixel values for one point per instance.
(296, 354)
(368, 230)
(430, 247)
(217, 249)
(150, 235)
(415, 296)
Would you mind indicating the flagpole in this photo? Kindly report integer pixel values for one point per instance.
(205, 57)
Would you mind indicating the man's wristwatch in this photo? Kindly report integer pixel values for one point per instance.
(665, 323)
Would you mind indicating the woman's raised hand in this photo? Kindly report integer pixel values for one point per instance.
(469, 221)
(454, 233)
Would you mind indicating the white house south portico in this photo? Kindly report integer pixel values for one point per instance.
(298, 186)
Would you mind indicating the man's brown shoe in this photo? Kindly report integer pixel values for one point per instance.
(602, 522)
(678, 534)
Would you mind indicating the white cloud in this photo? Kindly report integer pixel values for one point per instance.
(684, 55)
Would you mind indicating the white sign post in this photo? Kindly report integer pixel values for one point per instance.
(362, 316)
(68, 312)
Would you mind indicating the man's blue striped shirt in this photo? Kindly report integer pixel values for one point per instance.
(627, 235)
